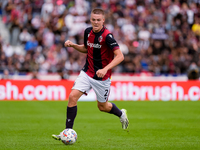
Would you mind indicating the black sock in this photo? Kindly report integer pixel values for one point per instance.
(71, 115)
(115, 110)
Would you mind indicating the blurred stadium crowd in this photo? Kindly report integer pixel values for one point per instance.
(155, 36)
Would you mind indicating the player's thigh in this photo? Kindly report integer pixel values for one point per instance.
(102, 89)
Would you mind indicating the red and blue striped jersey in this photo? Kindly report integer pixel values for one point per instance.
(100, 51)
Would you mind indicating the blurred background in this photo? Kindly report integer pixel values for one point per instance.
(157, 37)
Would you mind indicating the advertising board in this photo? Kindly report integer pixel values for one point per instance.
(120, 90)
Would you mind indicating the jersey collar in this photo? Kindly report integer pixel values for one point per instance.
(100, 30)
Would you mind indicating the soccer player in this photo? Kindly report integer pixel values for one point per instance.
(103, 53)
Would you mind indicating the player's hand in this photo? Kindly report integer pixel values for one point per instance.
(101, 73)
(68, 43)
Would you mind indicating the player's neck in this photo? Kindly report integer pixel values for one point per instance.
(98, 30)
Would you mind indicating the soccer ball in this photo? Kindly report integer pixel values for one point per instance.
(68, 136)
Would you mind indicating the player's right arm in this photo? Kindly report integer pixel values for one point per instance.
(81, 48)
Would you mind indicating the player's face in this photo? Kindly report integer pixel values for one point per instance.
(97, 21)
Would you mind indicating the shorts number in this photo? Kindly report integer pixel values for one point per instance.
(106, 94)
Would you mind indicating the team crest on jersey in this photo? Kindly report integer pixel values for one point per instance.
(100, 38)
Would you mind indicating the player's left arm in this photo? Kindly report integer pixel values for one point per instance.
(119, 57)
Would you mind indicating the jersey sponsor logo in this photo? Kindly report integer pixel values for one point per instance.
(93, 45)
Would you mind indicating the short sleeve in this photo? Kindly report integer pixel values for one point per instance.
(111, 42)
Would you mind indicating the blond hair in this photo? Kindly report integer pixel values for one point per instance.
(98, 11)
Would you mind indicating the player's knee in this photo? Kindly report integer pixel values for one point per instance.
(72, 99)
(102, 108)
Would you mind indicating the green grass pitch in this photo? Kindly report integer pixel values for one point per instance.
(153, 126)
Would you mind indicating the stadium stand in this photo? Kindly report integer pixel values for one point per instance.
(158, 38)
